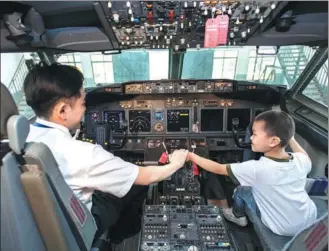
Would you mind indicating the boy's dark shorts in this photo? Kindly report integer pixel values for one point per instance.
(213, 189)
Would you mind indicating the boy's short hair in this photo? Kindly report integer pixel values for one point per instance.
(45, 85)
(278, 123)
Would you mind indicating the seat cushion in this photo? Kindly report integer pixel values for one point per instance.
(272, 241)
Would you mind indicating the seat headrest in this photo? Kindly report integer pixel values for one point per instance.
(8, 108)
(18, 128)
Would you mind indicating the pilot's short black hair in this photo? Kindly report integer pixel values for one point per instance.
(278, 123)
(45, 85)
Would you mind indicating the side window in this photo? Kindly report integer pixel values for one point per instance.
(317, 89)
(13, 73)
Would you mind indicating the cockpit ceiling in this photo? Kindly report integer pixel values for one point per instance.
(100, 26)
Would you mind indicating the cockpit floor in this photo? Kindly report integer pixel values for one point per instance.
(243, 236)
(129, 244)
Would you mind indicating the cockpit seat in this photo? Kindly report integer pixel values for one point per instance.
(274, 242)
(19, 230)
(39, 211)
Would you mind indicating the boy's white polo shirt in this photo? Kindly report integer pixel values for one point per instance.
(85, 167)
(279, 190)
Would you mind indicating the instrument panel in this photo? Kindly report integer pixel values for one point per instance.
(204, 117)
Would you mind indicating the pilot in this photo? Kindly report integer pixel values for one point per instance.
(273, 187)
(112, 189)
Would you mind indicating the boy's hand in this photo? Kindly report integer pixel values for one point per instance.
(188, 157)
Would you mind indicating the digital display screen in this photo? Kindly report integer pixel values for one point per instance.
(158, 116)
(139, 121)
(115, 119)
(212, 120)
(242, 114)
(178, 120)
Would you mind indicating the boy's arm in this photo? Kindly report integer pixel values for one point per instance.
(206, 164)
(241, 173)
(150, 174)
(295, 147)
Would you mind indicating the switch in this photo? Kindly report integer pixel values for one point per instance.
(221, 143)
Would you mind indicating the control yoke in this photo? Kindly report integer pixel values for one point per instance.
(104, 135)
(235, 132)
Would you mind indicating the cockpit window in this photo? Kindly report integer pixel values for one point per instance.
(233, 62)
(317, 89)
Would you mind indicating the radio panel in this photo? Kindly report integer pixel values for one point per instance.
(188, 228)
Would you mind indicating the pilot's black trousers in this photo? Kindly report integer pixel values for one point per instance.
(120, 216)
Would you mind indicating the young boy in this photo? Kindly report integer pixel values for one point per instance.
(112, 189)
(277, 180)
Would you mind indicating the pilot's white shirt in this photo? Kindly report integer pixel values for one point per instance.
(85, 167)
(279, 191)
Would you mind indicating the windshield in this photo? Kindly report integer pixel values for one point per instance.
(234, 62)
(243, 63)
(239, 63)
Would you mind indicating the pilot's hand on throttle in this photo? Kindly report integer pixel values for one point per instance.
(178, 157)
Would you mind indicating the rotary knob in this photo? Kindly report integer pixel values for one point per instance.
(165, 247)
(164, 218)
(158, 127)
(192, 248)
(145, 246)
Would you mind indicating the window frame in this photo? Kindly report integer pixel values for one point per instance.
(312, 68)
(309, 102)
(307, 99)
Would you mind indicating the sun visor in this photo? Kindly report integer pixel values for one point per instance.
(81, 39)
(310, 29)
